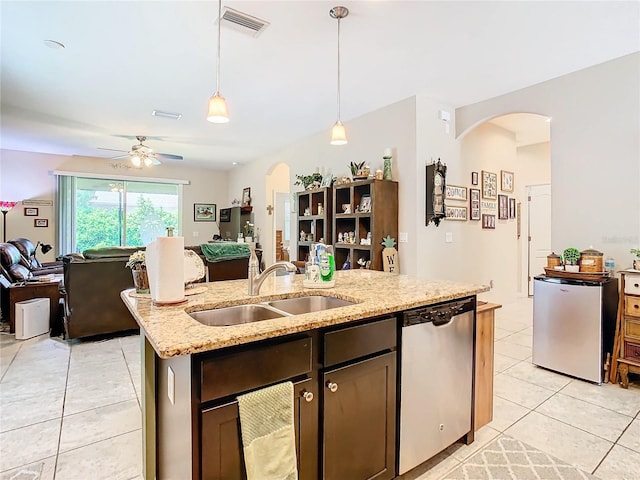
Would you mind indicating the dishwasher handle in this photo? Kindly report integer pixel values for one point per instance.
(438, 315)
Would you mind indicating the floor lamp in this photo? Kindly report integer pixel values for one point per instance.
(4, 208)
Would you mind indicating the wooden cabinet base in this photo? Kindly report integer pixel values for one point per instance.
(483, 405)
(624, 367)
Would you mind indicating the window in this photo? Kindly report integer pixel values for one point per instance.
(102, 212)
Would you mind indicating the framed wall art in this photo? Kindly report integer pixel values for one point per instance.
(506, 181)
(456, 213)
(503, 207)
(41, 222)
(488, 221)
(474, 204)
(489, 185)
(474, 178)
(436, 175)
(204, 212)
(454, 192)
(512, 208)
(30, 212)
(246, 197)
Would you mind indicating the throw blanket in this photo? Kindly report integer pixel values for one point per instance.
(219, 252)
(268, 435)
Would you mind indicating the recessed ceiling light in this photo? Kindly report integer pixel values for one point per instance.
(54, 44)
(234, 163)
(172, 116)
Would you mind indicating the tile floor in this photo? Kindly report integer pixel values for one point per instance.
(72, 409)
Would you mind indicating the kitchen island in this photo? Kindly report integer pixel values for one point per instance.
(192, 372)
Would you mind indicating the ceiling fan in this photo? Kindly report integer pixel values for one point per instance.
(141, 154)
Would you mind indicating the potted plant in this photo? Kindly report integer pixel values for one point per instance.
(358, 170)
(636, 261)
(138, 268)
(309, 181)
(571, 256)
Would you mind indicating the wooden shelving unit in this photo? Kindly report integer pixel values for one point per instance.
(626, 350)
(316, 225)
(380, 220)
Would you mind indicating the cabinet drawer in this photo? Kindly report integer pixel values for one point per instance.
(632, 284)
(632, 305)
(237, 372)
(632, 328)
(632, 351)
(358, 341)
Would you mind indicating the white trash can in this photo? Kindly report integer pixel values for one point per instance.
(32, 318)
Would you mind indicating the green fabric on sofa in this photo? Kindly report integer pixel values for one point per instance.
(218, 252)
(110, 252)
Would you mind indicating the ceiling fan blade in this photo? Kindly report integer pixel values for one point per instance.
(168, 156)
(119, 157)
(111, 149)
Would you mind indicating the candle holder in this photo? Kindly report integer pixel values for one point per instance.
(386, 175)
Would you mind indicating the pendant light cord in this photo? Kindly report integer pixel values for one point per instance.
(339, 116)
(218, 63)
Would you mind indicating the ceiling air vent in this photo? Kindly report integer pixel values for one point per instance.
(242, 22)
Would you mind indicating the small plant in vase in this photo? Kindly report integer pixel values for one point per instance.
(571, 256)
(636, 261)
(137, 264)
(357, 170)
(309, 182)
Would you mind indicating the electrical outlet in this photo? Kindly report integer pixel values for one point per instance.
(171, 385)
(195, 234)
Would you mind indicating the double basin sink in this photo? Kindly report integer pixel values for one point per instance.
(254, 312)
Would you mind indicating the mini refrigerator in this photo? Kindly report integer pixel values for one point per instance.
(574, 325)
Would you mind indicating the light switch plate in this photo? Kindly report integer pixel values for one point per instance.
(403, 237)
(448, 237)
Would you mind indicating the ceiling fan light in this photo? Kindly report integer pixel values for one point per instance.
(218, 109)
(136, 161)
(148, 161)
(338, 134)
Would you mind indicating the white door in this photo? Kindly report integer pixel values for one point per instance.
(539, 213)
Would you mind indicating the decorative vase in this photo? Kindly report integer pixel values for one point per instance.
(141, 280)
(387, 169)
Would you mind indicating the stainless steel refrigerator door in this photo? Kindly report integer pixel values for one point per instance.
(437, 371)
(567, 329)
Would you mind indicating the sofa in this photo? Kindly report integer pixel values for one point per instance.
(94, 279)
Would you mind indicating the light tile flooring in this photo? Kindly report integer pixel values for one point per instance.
(73, 409)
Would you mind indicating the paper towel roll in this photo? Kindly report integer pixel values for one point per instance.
(165, 267)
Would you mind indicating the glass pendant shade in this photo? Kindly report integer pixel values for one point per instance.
(338, 134)
(148, 161)
(218, 109)
(136, 161)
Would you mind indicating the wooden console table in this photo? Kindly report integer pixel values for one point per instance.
(626, 350)
(30, 290)
(485, 318)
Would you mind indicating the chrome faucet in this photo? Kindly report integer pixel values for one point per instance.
(256, 278)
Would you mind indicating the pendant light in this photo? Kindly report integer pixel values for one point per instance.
(217, 104)
(338, 132)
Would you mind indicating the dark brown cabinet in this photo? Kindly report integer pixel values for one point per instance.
(221, 444)
(314, 219)
(359, 420)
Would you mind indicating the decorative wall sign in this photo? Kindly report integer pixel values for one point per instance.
(454, 192)
(474, 204)
(503, 207)
(474, 178)
(506, 181)
(456, 213)
(491, 206)
(488, 221)
(246, 197)
(41, 222)
(489, 185)
(30, 212)
(512, 208)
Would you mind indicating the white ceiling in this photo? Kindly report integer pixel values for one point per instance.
(124, 59)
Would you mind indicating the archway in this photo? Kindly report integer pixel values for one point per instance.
(277, 191)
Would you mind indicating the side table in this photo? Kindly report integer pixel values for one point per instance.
(27, 291)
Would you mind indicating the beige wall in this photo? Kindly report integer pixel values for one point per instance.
(595, 152)
(26, 175)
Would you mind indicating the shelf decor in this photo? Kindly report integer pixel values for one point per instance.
(387, 156)
(390, 255)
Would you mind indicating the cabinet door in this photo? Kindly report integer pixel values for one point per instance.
(359, 422)
(221, 444)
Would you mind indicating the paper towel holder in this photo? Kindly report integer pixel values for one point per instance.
(170, 231)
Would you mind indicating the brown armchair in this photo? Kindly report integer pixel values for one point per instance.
(11, 264)
(28, 251)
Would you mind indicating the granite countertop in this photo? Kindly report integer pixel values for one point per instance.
(173, 332)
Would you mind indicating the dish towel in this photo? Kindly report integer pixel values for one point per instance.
(218, 252)
(268, 435)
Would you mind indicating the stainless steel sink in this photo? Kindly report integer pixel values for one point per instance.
(311, 303)
(236, 315)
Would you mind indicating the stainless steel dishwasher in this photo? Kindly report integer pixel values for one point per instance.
(436, 379)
